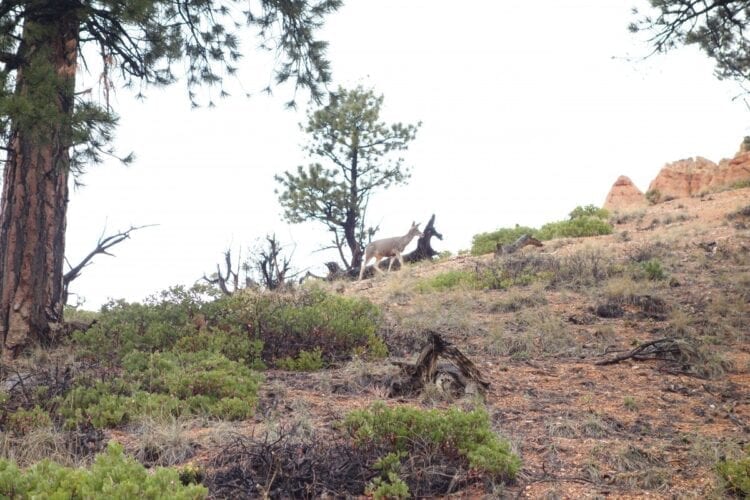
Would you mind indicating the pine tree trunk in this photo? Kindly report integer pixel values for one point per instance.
(35, 186)
(352, 213)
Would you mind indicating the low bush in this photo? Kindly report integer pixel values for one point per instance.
(653, 196)
(306, 361)
(155, 325)
(653, 270)
(202, 383)
(522, 269)
(23, 421)
(589, 211)
(250, 327)
(112, 475)
(449, 280)
(580, 227)
(583, 221)
(736, 474)
(452, 432)
(288, 324)
(389, 484)
(483, 243)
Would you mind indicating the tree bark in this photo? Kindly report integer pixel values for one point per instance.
(35, 186)
(350, 226)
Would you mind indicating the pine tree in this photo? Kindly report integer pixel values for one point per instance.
(348, 135)
(718, 28)
(50, 132)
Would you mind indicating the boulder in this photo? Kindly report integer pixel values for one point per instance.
(624, 196)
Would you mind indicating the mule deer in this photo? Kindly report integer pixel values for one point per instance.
(388, 247)
(521, 242)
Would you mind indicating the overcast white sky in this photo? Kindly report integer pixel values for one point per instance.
(528, 108)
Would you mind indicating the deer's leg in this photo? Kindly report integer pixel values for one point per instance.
(390, 261)
(377, 265)
(363, 266)
(400, 260)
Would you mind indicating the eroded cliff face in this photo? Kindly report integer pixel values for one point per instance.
(624, 196)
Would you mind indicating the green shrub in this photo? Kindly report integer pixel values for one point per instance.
(22, 421)
(452, 431)
(653, 270)
(579, 227)
(584, 221)
(483, 243)
(248, 327)
(157, 324)
(305, 362)
(389, 484)
(589, 211)
(287, 324)
(736, 474)
(522, 269)
(112, 475)
(448, 280)
(653, 196)
(165, 384)
(231, 341)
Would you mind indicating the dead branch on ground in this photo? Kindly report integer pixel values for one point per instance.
(667, 349)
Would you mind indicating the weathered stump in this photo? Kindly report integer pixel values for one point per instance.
(462, 376)
(424, 249)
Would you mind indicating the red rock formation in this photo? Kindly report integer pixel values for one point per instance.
(624, 195)
(730, 172)
(683, 178)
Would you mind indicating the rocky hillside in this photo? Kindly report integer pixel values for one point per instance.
(616, 366)
(649, 426)
(683, 178)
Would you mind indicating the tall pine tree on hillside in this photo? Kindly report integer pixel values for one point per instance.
(49, 131)
(357, 149)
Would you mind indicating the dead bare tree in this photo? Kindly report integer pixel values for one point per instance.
(228, 281)
(269, 266)
(102, 247)
(272, 265)
(424, 249)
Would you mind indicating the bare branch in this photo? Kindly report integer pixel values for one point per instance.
(102, 247)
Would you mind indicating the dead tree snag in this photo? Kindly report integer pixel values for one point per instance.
(424, 249)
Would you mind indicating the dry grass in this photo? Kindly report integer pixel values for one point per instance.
(164, 441)
(46, 443)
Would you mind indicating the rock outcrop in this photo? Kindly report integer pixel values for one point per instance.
(730, 172)
(683, 178)
(624, 196)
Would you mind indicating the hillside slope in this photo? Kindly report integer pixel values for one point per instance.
(680, 269)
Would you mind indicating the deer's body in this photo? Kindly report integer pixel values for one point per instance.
(521, 242)
(388, 247)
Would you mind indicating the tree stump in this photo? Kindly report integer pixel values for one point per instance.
(461, 376)
(424, 249)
